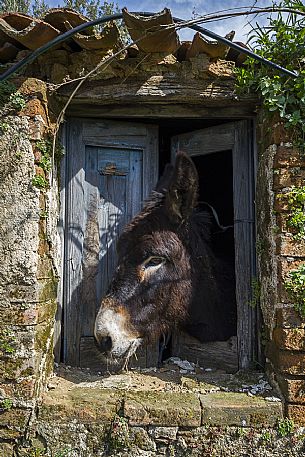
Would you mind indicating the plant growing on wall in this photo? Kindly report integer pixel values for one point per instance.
(295, 286)
(296, 204)
(281, 41)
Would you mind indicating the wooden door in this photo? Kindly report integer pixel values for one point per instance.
(237, 137)
(111, 168)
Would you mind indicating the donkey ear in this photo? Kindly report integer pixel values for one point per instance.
(181, 196)
(165, 180)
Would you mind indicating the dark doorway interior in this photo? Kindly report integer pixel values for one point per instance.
(216, 188)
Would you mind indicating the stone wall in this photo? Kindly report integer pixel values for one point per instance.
(28, 273)
(281, 166)
(30, 261)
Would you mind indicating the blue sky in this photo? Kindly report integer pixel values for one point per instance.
(184, 8)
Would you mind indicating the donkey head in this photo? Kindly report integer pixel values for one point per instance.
(152, 285)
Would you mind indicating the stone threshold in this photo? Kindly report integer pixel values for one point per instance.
(151, 399)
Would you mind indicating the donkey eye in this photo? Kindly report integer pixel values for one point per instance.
(153, 261)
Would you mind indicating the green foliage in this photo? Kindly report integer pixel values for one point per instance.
(40, 182)
(295, 286)
(92, 8)
(7, 341)
(266, 437)
(6, 89)
(63, 453)
(119, 434)
(285, 427)
(4, 127)
(296, 203)
(39, 8)
(6, 404)
(45, 147)
(35, 452)
(22, 6)
(9, 95)
(43, 214)
(281, 41)
(17, 101)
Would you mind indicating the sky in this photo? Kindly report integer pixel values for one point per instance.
(184, 9)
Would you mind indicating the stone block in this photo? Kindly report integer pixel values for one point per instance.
(16, 314)
(15, 418)
(292, 389)
(279, 134)
(289, 338)
(37, 127)
(86, 405)
(297, 414)
(6, 449)
(39, 172)
(162, 409)
(281, 202)
(33, 86)
(287, 177)
(163, 433)
(288, 317)
(286, 245)
(287, 157)
(37, 155)
(287, 264)
(20, 293)
(140, 438)
(22, 389)
(14, 368)
(238, 409)
(286, 361)
(34, 107)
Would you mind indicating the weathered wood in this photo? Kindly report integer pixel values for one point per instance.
(157, 89)
(238, 137)
(244, 234)
(215, 109)
(58, 327)
(112, 167)
(74, 240)
(218, 354)
(206, 141)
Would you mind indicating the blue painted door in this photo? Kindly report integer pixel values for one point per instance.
(111, 169)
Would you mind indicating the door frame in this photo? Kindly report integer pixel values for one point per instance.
(239, 137)
(244, 139)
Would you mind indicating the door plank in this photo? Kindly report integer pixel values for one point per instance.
(244, 234)
(112, 167)
(238, 137)
(205, 141)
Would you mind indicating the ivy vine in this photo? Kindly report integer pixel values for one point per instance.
(282, 41)
(7, 342)
(295, 286)
(296, 204)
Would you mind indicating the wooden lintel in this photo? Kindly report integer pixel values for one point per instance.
(165, 110)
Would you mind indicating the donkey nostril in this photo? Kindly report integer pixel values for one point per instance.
(105, 343)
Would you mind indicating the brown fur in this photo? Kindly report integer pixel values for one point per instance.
(193, 287)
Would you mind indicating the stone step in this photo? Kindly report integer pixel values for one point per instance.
(90, 402)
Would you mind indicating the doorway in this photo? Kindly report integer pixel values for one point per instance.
(111, 167)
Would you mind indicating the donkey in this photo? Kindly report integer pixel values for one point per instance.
(168, 274)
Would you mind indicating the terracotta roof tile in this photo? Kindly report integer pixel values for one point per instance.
(31, 33)
(21, 32)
